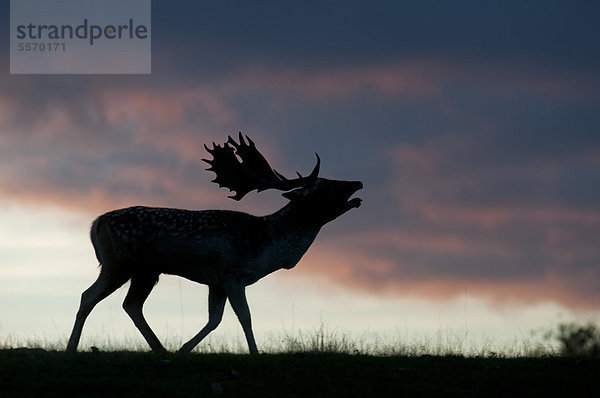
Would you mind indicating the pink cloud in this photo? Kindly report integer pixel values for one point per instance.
(409, 79)
(413, 78)
(176, 119)
(106, 150)
(433, 179)
(375, 275)
(123, 145)
(420, 240)
(545, 249)
(491, 215)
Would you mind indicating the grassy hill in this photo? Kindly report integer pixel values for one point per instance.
(41, 373)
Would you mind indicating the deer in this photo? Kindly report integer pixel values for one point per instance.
(223, 249)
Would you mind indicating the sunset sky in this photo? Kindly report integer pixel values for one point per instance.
(475, 128)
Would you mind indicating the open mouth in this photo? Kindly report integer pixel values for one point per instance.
(355, 202)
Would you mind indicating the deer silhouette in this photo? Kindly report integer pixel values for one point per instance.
(226, 250)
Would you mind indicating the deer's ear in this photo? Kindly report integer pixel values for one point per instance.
(295, 194)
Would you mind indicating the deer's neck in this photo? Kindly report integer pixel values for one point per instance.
(293, 231)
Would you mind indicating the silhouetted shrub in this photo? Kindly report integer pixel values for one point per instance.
(579, 340)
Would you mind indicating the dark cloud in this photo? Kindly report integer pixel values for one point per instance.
(343, 31)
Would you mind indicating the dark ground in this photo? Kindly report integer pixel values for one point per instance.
(39, 373)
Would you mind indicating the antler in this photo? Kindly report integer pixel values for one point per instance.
(253, 172)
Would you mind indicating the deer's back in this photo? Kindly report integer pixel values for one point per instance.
(200, 245)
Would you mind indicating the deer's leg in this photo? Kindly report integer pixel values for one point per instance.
(141, 286)
(106, 283)
(237, 298)
(216, 305)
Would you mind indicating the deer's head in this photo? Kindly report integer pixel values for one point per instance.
(326, 199)
(242, 168)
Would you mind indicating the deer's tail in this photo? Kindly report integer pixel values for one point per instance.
(95, 237)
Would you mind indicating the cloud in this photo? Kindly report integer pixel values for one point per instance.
(408, 79)
(504, 229)
(354, 32)
(479, 152)
(486, 207)
(78, 142)
(344, 265)
(112, 146)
